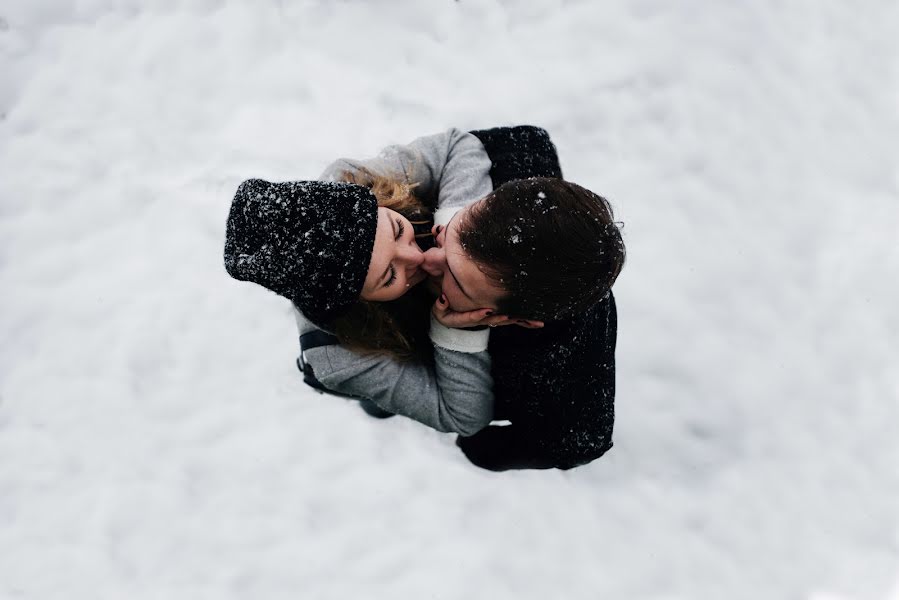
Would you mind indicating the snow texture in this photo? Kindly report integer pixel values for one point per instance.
(156, 440)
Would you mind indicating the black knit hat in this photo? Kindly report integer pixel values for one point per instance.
(309, 241)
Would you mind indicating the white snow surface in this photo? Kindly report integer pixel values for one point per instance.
(156, 440)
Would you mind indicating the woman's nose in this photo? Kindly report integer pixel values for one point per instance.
(412, 255)
(434, 260)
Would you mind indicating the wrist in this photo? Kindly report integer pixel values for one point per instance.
(459, 340)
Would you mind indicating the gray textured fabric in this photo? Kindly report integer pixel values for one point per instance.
(453, 165)
(457, 394)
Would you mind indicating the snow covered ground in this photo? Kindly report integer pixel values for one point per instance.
(156, 440)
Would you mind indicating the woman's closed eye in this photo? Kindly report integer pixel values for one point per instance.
(392, 277)
(400, 230)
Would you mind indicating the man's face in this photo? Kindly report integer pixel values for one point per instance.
(465, 286)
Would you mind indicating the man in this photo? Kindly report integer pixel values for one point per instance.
(540, 255)
(551, 270)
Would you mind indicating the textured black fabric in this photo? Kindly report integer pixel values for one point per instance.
(519, 152)
(556, 385)
(309, 241)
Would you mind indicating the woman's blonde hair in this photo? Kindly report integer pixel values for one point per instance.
(391, 193)
(398, 328)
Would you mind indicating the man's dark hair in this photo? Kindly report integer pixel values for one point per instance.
(551, 244)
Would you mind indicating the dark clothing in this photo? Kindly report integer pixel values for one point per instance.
(519, 153)
(309, 241)
(556, 385)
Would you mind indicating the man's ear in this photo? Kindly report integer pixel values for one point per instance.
(529, 323)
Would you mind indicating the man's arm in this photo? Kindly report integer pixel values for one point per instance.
(580, 432)
(501, 448)
(565, 405)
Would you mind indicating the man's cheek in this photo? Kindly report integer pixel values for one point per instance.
(458, 303)
(451, 299)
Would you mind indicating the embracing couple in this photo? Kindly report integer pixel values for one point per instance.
(456, 280)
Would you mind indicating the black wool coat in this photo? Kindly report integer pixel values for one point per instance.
(555, 385)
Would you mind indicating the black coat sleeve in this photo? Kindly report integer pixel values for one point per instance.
(560, 392)
(574, 426)
(501, 448)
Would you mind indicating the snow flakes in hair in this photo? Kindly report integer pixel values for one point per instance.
(309, 241)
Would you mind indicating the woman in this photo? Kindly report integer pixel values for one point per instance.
(338, 256)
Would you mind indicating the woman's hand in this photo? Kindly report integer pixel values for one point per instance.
(473, 318)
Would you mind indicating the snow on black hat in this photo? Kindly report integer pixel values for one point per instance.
(309, 241)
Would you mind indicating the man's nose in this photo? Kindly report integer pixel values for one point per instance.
(434, 262)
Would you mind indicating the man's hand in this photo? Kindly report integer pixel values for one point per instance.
(473, 318)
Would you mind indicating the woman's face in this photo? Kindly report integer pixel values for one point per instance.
(395, 260)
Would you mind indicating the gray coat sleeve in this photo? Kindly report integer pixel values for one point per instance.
(452, 164)
(456, 395)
